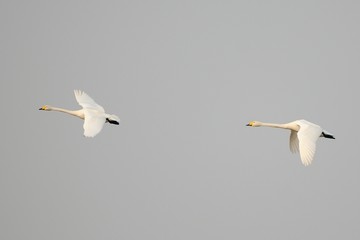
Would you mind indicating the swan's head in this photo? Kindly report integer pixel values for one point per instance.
(254, 124)
(45, 108)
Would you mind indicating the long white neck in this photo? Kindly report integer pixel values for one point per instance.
(77, 113)
(281, 125)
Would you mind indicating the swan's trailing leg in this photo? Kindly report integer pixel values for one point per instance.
(112, 121)
(327, 135)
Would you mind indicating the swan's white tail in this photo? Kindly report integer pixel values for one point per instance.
(113, 119)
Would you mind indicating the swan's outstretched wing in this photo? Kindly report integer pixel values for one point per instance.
(308, 135)
(93, 122)
(86, 101)
(294, 142)
(93, 112)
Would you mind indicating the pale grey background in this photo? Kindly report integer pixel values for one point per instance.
(185, 77)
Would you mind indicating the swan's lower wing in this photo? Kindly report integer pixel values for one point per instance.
(294, 142)
(308, 135)
(93, 125)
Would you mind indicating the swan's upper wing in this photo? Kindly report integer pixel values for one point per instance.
(294, 142)
(308, 135)
(86, 101)
(93, 123)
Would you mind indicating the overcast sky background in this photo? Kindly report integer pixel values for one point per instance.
(184, 77)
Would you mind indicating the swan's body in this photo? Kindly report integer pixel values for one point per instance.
(303, 137)
(93, 114)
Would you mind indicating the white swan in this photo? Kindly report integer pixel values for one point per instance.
(93, 114)
(303, 137)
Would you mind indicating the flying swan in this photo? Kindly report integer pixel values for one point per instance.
(93, 114)
(303, 137)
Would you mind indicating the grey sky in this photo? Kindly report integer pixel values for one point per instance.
(184, 77)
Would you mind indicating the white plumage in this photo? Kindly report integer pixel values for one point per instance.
(93, 114)
(303, 137)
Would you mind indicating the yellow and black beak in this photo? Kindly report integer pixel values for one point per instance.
(42, 108)
(250, 124)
